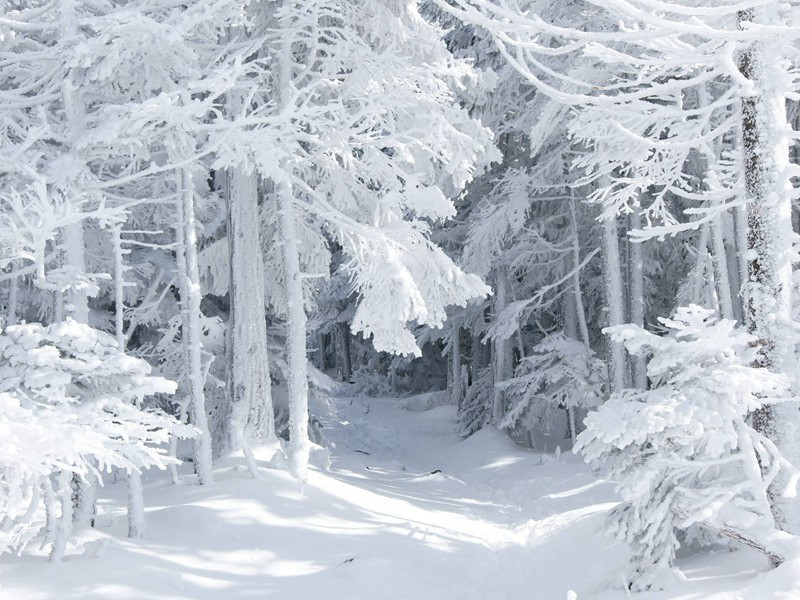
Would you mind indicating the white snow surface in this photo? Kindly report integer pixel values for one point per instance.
(407, 510)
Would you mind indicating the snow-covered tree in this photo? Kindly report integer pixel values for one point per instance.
(684, 452)
(559, 374)
(68, 397)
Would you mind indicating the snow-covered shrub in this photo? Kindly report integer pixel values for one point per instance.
(561, 373)
(476, 409)
(683, 452)
(68, 407)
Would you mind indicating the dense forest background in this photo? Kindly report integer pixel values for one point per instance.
(575, 218)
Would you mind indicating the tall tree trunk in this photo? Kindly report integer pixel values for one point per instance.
(299, 444)
(191, 297)
(770, 237)
(249, 389)
(136, 521)
(297, 359)
(615, 305)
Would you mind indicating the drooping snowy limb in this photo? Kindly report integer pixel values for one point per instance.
(249, 386)
(191, 297)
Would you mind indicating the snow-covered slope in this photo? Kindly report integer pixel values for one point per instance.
(407, 510)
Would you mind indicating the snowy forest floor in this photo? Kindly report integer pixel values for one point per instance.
(407, 510)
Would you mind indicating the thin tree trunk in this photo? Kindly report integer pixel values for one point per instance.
(191, 297)
(299, 446)
(580, 311)
(502, 349)
(13, 290)
(740, 226)
(721, 269)
(636, 270)
(136, 521)
(457, 387)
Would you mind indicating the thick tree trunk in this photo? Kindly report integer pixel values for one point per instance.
(251, 419)
(455, 372)
(63, 528)
(770, 238)
(344, 362)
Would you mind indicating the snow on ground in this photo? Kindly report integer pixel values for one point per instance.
(407, 510)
